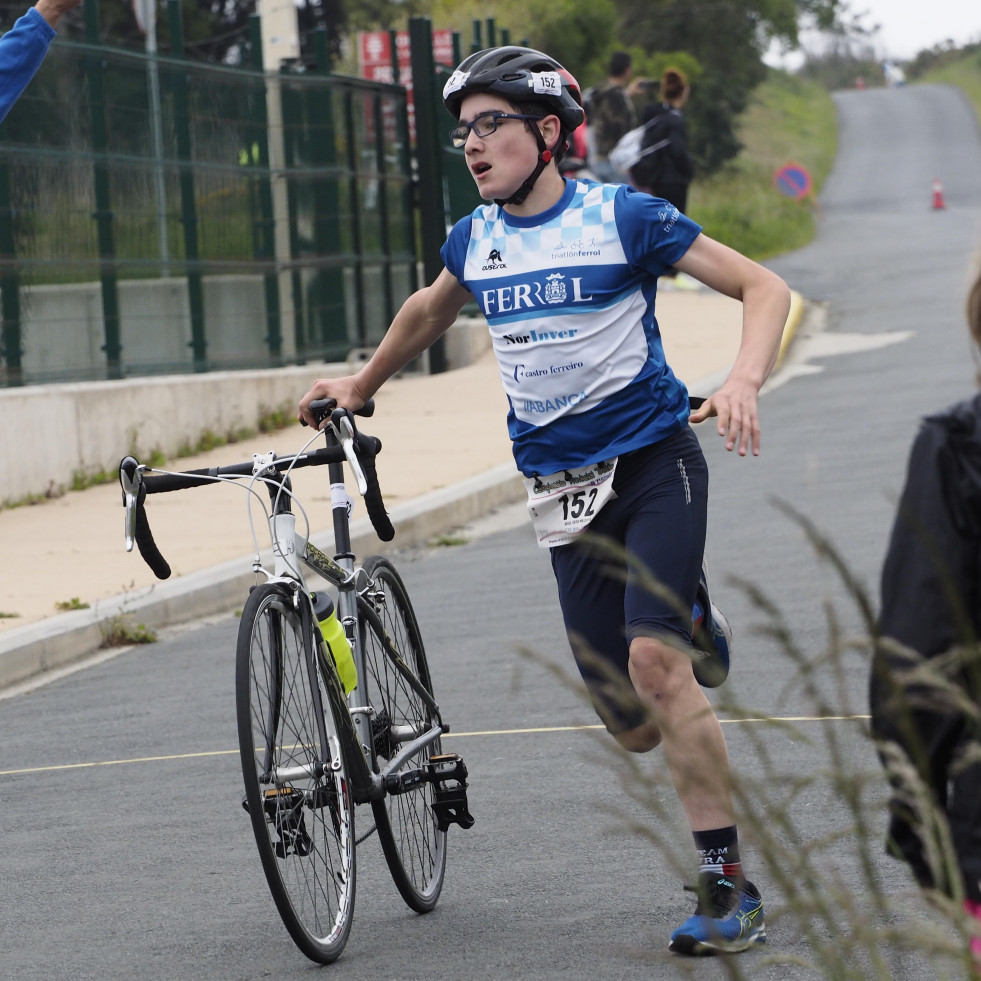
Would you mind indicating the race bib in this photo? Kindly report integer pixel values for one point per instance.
(563, 504)
(546, 83)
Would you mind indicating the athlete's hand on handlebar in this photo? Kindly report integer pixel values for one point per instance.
(344, 391)
(735, 405)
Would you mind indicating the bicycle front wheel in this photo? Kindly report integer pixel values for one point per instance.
(296, 782)
(414, 847)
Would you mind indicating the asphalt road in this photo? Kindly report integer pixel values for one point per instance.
(126, 851)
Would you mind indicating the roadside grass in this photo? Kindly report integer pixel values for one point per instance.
(964, 73)
(122, 630)
(789, 120)
(63, 606)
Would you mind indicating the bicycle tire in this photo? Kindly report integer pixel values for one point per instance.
(414, 847)
(304, 821)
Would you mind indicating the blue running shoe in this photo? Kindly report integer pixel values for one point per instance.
(712, 638)
(727, 920)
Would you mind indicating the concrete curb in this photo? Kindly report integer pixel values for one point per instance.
(790, 330)
(62, 640)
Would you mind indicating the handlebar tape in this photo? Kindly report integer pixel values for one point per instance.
(368, 448)
(380, 520)
(144, 540)
(156, 485)
(161, 483)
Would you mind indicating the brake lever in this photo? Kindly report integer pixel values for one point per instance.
(131, 480)
(340, 422)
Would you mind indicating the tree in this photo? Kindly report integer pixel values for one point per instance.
(728, 38)
(573, 31)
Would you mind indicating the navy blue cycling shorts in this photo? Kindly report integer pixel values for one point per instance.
(634, 572)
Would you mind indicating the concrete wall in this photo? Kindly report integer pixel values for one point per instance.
(49, 432)
(63, 333)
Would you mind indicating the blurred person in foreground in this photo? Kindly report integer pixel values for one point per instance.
(23, 47)
(925, 686)
(565, 272)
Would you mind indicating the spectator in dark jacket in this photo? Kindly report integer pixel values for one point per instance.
(926, 676)
(667, 172)
(610, 114)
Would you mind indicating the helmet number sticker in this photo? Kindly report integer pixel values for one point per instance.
(546, 83)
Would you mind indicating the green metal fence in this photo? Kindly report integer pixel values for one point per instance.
(162, 215)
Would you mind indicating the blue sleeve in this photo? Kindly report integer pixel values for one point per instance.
(454, 250)
(22, 49)
(654, 233)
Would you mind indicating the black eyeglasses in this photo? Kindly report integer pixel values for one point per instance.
(483, 125)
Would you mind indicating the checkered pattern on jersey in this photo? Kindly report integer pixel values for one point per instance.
(590, 219)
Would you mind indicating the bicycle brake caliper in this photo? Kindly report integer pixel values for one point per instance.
(448, 775)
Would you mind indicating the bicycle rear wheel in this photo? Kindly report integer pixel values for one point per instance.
(296, 781)
(414, 847)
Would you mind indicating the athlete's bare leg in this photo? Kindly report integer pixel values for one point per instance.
(683, 720)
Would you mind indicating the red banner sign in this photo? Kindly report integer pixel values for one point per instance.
(375, 60)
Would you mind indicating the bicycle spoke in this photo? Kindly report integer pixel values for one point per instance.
(414, 846)
(296, 789)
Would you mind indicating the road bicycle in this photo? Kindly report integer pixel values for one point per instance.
(312, 751)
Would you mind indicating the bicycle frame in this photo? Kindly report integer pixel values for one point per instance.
(340, 571)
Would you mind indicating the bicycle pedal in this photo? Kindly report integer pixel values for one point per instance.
(448, 775)
(293, 836)
(271, 800)
(277, 799)
(283, 807)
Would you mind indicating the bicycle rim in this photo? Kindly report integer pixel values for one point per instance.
(414, 847)
(296, 789)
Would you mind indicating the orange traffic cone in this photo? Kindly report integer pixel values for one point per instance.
(938, 194)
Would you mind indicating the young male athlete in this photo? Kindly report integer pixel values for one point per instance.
(566, 274)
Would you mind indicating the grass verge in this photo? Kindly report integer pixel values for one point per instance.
(790, 120)
(964, 73)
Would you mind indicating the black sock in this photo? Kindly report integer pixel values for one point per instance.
(718, 853)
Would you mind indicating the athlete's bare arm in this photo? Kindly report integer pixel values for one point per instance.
(766, 304)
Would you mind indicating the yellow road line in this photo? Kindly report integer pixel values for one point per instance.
(136, 759)
(776, 718)
(452, 735)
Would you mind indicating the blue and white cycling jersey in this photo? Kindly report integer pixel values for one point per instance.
(569, 298)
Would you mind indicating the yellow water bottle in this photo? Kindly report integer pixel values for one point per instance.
(336, 639)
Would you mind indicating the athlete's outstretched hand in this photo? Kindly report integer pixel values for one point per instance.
(735, 405)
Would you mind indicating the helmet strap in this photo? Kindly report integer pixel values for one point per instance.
(544, 158)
